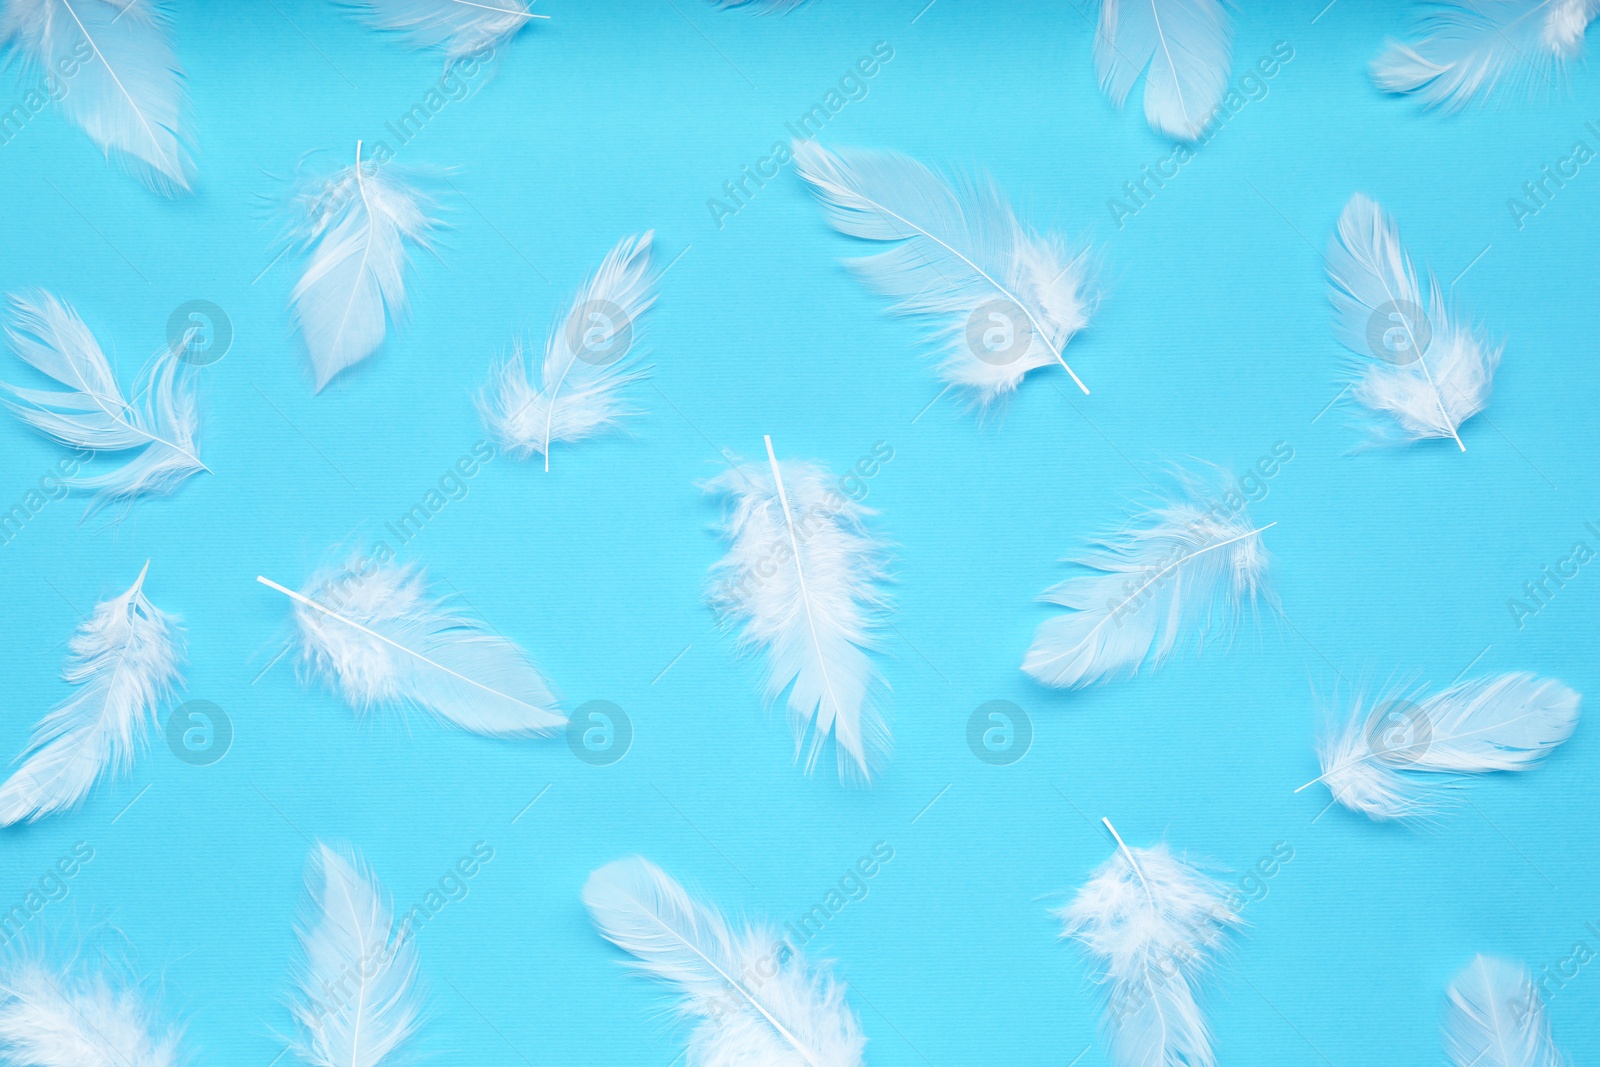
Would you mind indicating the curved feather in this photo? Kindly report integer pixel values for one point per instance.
(77, 1019)
(801, 578)
(763, 7)
(460, 27)
(1187, 563)
(124, 658)
(1495, 1018)
(125, 90)
(358, 998)
(587, 362)
(373, 632)
(750, 994)
(1381, 759)
(1183, 47)
(1004, 299)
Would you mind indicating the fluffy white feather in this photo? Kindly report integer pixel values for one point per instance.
(1387, 760)
(1187, 563)
(355, 227)
(1151, 923)
(124, 659)
(1466, 50)
(801, 578)
(77, 1018)
(1004, 300)
(1183, 48)
(1495, 1018)
(372, 631)
(357, 998)
(460, 27)
(91, 413)
(750, 994)
(1418, 367)
(588, 360)
(125, 89)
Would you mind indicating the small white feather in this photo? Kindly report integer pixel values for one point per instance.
(1183, 48)
(1495, 1018)
(460, 27)
(763, 7)
(77, 1018)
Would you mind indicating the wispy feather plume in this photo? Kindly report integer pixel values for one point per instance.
(1004, 299)
(750, 994)
(77, 1018)
(1183, 48)
(1387, 760)
(1495, 1018)
(801, 579)
(763, 7)
(460, 27)
(587, 362)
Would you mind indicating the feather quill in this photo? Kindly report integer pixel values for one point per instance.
(801, 578)
(124, 659)
(355, 227)
(1386, 761)
(587, 362)
(750, 994)
(125, 89)
(358, 998)
(1151, 922)
(1004, 299)
(91, 413)
(460, 27)
(373, 632)
(1467, 50)
(77, 1019)
(1420, 369)
(1494, 1017)
(1189, 562)
(1183, 48)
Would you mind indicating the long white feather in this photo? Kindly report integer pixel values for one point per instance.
(124, 89)
(355, 226)
(1467, 50)
(374, 632)
(91, 413)
(1004, 299)
(460, 27)
(763, 7)
(77, 1018)
(358, 998)
(1187, 563)
(801, 578)
(1183, 48)
(124, 659)
(1495, 1018)
(1418, 367)
(750, 994)
(1387, 760)
(1151, 922)
(587, 362)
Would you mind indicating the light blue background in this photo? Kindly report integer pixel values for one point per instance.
(1213, 341)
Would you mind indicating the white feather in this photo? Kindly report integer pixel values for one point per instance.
(1468, 49)
(1418, 367)
(77, 1019)
(1151, 922)
(801, 579)
(763, 7)
(1495, 1018)
(358, 998)
(125, 90)
(91, 413)
(1004, 299)
(751, 996)
(587, 362)
(1386, 760)
(1183, 48)
(1188, 562)
(372, 631)
(460, 27)
(355, 226)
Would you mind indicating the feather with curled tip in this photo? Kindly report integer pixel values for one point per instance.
(1419, 368)
(374, 632)
(460, 27)
(124, 659)
(358, 998)
(586, 362)
(1151, 922)
(1494, 1017)
(125, 89)
(91, 414)
(355, 227)
(1189, 562)
(1182, 47)
(1467, 50)
(750, 994)
(1004, 300)
(1385, 760)
(801, 579)
(78, 1018)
